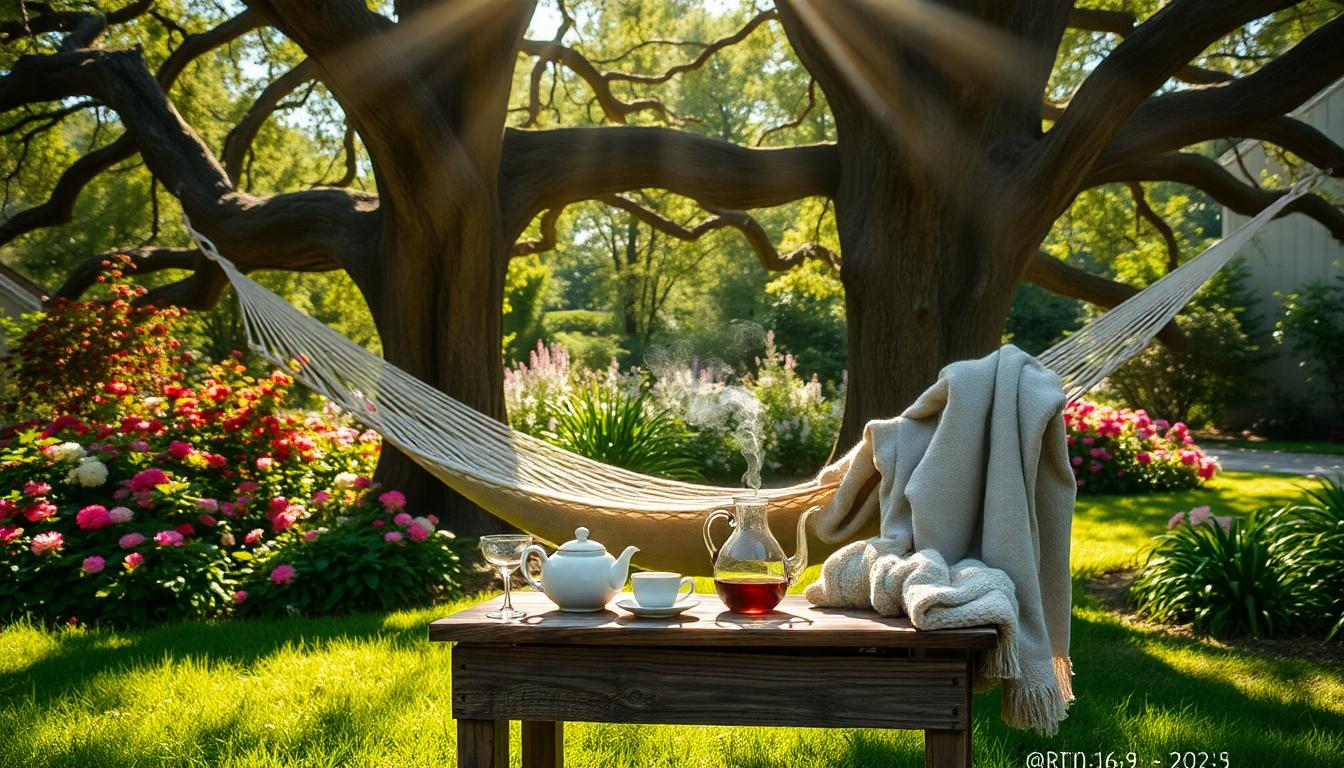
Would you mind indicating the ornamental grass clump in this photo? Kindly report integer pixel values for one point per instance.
(1218, 575)
(1308, 547)
(1119, 450)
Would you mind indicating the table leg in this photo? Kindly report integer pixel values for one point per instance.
(483, 743)
(947, 749)
(543, 744)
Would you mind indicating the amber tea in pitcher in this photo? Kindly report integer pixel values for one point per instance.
(751, 571)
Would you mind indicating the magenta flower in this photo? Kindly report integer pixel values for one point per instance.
(36, 489)
(310, 535)
(392, 500)
(133, 561)
(392, 536)
(240, 597)
(7, 509)
(9, 533)
(93, 517)
(207, 505)
(168, 538)
(94, 564)
(1143, 457)
(42, 510)
(147, 480)
(282, 574)
(402, 519)
(47, 542)
(180, 450)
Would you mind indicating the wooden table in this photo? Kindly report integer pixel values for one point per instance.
(797, 666)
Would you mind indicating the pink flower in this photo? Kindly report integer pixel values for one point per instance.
(240, 597)
(42, 510)
(36, 489)
(227, 539)
(9, 533)
(1207, 469)
(1175, 520)
(168, 539)
(131, 540)
(120, 515)
(207, 505)
(248, 486)
(1199, 515)
(7, 509)
(253, 536)
(392, 500)
(282, 574)
(264, 463)
(320, 498)
(133, 561)
(226, 509)
(433, 519)
(1189, 457)
(402, 519)
(180, 450)
(94, 564)
(47, 542)
(310, 535)
(1076, 461)
(277, 505)
(392, 536)
(147, 480)
(93, 517)
(1143, 457)
(419, 529)
(362, 482)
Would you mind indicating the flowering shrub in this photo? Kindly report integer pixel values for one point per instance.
(798, 421)
(1118, 450)
(164, 499)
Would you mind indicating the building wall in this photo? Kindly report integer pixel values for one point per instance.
(1291, 251)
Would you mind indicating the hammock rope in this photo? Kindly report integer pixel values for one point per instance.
(548, 491)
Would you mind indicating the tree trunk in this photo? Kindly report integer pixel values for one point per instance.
(439, 316)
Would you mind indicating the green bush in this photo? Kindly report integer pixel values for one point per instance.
(604, 421)
(806, 306)
(1309, 549)
(1312, 325)
(1217, 575)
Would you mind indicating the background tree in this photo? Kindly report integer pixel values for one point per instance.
(945, 180)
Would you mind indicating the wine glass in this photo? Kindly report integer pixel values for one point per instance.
(505, 552)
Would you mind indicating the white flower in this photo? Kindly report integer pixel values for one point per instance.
(90, 473)
(153, 402)
(345, 480)
(68, 451)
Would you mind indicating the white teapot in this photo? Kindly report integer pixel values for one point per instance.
(580, 577)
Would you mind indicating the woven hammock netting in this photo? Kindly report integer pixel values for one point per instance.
(547, 491)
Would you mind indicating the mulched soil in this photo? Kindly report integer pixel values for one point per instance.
(1110, 588)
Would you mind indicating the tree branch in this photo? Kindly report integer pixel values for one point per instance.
(240, 137)
(1252, 106)
(547, 240)
(1056, 276)
(546, 169)
(1164, 229)
(1206, 174)
(81, 28)
(1121, 23)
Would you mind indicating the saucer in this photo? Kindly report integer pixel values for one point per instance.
(629, 604)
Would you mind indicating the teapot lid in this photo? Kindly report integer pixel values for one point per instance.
(581, 544)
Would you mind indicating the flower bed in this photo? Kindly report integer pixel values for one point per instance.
(152, 498)
(1118, 450)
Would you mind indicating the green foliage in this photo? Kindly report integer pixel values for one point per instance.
(1312, 326)
(806, 308)
(1040, 319)
(1217, 575)
(1308, 548)
(620, 427)
(525, 288)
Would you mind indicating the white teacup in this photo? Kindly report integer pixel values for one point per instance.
(661, 589)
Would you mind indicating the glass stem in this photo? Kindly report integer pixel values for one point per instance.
(507, 574)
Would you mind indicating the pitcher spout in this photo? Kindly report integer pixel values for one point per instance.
(621, 568)
(795, 565)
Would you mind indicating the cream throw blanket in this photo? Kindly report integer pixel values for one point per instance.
(975, 473)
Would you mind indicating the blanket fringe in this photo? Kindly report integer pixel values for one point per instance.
(1040, 708)
(1000, 663)
(1064, 675)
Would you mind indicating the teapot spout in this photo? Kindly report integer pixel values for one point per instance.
(621, 568)
(794, 566)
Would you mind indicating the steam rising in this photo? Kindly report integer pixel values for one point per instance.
(710, 401)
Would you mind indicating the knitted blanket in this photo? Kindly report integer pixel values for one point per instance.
(975, 473)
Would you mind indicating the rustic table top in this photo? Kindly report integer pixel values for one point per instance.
(794, 623)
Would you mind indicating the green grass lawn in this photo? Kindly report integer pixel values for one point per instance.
(370, 690)
(1279, 446)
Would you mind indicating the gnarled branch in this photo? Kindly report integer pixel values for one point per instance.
(239, 139)
(1164, 229)
(1121, 23)
(1056, 276)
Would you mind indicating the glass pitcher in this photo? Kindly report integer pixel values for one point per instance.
(751, 571)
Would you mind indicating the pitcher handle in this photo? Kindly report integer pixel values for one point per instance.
(709, 538)
(528, 551)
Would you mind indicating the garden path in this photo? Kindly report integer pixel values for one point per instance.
(1277, 462)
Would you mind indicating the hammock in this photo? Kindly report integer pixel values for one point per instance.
(547, 491)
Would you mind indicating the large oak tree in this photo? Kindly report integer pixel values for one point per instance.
(953, 157)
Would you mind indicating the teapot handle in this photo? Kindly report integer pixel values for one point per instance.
(528, 551)
(709, 523)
